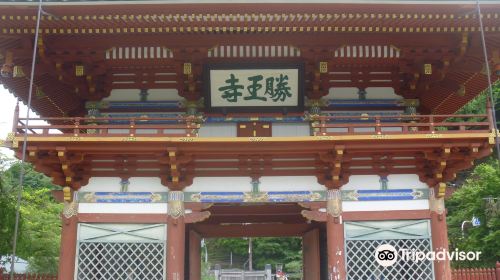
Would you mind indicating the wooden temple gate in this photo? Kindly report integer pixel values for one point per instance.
(170, 121)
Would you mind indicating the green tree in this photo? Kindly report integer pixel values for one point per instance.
(7, 209)
(39, 231)
(475, 198)
(477, 106)
(268, 250)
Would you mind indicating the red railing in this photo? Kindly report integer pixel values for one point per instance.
(477, 273)
(415, 124)
(84, 126)
(189, 125)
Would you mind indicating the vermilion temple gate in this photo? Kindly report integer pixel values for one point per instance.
(167, 121)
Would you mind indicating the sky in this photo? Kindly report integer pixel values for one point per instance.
(7, 106)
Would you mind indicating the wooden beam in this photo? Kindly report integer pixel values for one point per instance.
(253, 230)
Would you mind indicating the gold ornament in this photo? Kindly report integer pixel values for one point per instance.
(334, 203)
(176, 204)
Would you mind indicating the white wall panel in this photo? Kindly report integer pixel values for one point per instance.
(290, 129)
(352, 206)
(102, 184)
(118, 208)
(371, 93)
(405, 181)
(153, 95)
(396, 181)
(146, 184)
(220, 184)
(362, 182)
(217, 130)
(112, 184)
(290, 183)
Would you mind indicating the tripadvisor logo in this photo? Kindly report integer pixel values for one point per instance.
(387, 255)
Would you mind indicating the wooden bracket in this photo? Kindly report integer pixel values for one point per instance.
(314, 215)
(196, 217)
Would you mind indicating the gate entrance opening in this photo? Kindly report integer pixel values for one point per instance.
(238, 225)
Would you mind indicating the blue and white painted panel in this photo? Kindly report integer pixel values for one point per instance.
(122, 197)
(259, 197)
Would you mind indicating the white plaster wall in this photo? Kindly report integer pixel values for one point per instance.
(112, 184)
(243, 184)
(102, 184)
(362, 182)
(396, 181)
(405, 181)
(352, 93)
(220, 184)
(290, 183)
(146, 184)
(133, 95)
(353, 206)
(120, 208)
(290, 129)
(217, 130)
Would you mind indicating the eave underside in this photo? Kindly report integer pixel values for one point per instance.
(434, 159)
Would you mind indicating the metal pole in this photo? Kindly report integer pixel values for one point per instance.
(463, 228)
(490, 86)
(250, 254)
(25, 140)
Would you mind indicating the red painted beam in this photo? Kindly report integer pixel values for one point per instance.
(253, 230)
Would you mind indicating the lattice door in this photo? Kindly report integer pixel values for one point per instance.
(121, 252)
(363, 238)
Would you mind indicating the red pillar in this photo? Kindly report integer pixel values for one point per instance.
(194, 255)
(176, 236)
(310, 252)
(67, 255)
(439, 233)
(335, 236)
(336, 250)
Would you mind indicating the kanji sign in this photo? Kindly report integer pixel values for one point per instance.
(254, 88)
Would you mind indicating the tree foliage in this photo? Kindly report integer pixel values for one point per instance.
(269, 250)
(7, 209)
(477, 198)
(39, 230)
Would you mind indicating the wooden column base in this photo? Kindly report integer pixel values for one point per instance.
(442, 269)
(336, 250)
(67, 253)
(176, 241)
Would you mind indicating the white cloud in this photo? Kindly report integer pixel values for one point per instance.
(7, 107)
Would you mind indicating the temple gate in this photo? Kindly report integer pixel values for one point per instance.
(169, 122)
